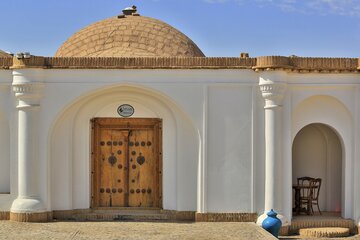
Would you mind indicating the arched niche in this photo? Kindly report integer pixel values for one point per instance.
(70, 146)
(317, 152)
(332, 113)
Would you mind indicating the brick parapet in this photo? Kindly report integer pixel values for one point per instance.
(292, 64)
(5, 62)
(305, 64)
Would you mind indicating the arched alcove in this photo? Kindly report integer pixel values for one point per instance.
(326, 117)
(317, 152)
(70, 146)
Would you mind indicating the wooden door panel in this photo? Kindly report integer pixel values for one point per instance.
(113, 168)
(126, 162)
(143, 169)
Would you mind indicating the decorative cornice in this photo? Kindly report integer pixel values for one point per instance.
(25, 88)
(28, 94)
(306, 65)
(273, 93)
(136, 63)
(292, 64)
(326, 64)
(272, 62)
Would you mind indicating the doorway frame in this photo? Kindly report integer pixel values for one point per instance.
(125, 124)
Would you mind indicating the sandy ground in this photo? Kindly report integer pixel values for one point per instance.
(130, 230)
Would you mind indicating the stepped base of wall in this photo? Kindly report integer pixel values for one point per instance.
(225, 217)
(4, 215)
(31, 217)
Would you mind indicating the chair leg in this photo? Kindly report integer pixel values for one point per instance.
(308, 208)
(318, 208)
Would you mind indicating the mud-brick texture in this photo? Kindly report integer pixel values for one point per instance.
(132, 231)
(4, 215)
(324, 232)
(124, 215)
(31, 217)
(4, 55)
(131, 36)
(321, 222)
(225, 217)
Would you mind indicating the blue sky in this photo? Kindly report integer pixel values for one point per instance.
(327, 28)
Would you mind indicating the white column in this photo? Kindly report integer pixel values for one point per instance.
(28, 204)
(273, 87)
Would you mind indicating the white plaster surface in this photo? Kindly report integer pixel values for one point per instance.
(214, 133)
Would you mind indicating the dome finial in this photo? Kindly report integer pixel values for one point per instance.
(129, 10)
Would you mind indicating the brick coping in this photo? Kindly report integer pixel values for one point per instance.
(290, 64)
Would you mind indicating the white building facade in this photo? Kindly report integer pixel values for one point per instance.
(235, 133)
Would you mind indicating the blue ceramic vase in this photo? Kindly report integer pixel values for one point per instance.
(272, 224)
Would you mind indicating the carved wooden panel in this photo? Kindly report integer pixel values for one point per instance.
(126, 162)
(143, 164)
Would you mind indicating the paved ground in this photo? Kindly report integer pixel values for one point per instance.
(131, 230)
(136, 230)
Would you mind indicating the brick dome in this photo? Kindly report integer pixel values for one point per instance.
(4, 54)
(129, 35)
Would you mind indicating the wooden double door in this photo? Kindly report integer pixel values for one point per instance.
(126, 162)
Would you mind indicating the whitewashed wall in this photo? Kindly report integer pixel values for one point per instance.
(214, 118)
(8, 142)
(188, 103)
(229, 151)
(330, 99)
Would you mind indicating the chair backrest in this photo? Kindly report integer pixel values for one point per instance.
(305, 181)
(315, 185)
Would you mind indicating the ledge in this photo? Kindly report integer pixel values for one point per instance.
(4, 215)
(292, 64)
(304, 64)
(135, 63)
(31, 217)
(225, 217)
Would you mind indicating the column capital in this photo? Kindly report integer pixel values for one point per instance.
(28, 94)
(27, 90)
(273, 85)
(273, 94)
(28, 87)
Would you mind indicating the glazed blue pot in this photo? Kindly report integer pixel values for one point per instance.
(272, 224)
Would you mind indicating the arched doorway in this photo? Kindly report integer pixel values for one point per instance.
(70, 147)
(317, 152)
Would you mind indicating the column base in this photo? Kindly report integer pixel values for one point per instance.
(29, 210)
(27, 205)
(31, 217)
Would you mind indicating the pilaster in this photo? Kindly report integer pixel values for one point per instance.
(273, 86)
(28, 206)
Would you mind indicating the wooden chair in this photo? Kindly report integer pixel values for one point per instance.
(305, 193)
(315, 185)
